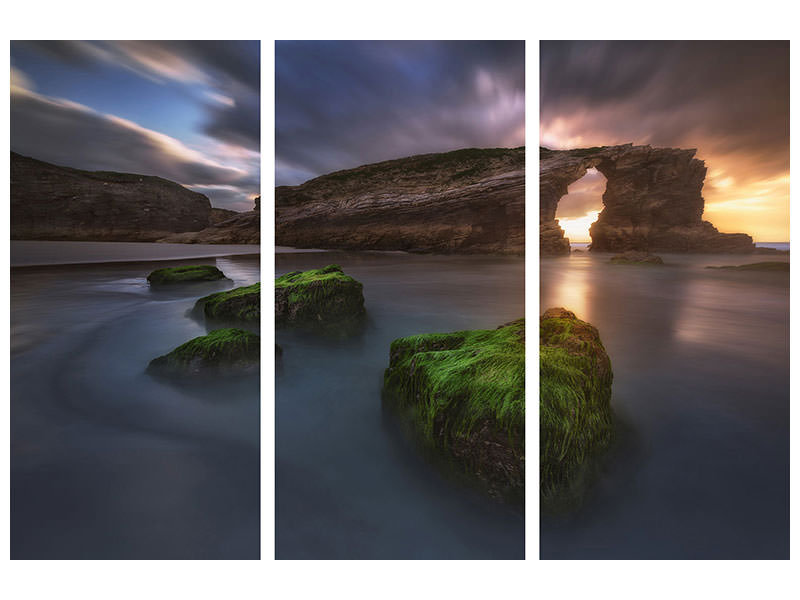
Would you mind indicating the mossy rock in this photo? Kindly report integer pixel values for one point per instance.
(239, 304)
(185, 274)
(324, 300)
(462, 395)
(221, 352)
(759, 266)
(633, 257)
(575, 418)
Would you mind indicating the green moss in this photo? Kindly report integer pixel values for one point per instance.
(297, 279)
(238, 304)
(221, 350)
(319, 298)
(575, 417)
(462, 378)
(759, 266)
(460, 391)
(185, 274)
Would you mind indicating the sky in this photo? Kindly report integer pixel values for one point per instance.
(341, 104)
(186, 111)
(729, 100)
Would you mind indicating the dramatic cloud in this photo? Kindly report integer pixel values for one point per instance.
(218, 81)
(343, 104)
(730, 100)
(227, 196)
(56, 130)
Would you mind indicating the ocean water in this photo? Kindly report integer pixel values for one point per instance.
(107, 462)
(26, 253)
(701, 391)
(348, 485)
(775, 245)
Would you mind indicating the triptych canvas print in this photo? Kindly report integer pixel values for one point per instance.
(394, 359)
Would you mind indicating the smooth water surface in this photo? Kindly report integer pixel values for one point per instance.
(348, 485)
(107, 462)
(701, 389)
(26, 253)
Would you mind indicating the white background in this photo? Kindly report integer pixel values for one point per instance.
(408, 19)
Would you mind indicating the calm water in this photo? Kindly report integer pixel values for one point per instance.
(347, 485)
(107, 462)
(701, 382)
(27, 253)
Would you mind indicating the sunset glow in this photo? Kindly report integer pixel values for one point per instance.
(679, 95)
(577, 228)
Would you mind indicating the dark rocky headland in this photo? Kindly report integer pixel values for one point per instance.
(466, 201)
(653, 201)
(49, 202)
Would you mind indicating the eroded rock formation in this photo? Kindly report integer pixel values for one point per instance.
(653, 201)
(467, 201)
(240, 228)
(49, 202)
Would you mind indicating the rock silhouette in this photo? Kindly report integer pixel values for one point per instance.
(50, 202)
(652, 203)
(466, 201)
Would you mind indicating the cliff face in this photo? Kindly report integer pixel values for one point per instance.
(653, 201)
(49, 202)
(241, 228)
(467, 201)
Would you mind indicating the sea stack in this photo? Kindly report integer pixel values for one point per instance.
(653, 201)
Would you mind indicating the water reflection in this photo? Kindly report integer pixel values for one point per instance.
(108, 462)
(701, 378)
(347, 486)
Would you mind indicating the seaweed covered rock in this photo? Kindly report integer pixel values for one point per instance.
(185, 274)
(636, 257)
(321, 299)
(462, 395)
(221, 352)
(239, 304)
(759, 266)
(575, 418)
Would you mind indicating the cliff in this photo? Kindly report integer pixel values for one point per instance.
(233, 228)
(653, 201)
(466, 201)
(49, 202)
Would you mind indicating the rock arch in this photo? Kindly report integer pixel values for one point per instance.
(653, 201)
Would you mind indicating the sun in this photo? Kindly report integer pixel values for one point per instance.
(577, 228)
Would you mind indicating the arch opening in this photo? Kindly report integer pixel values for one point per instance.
(581, 206)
